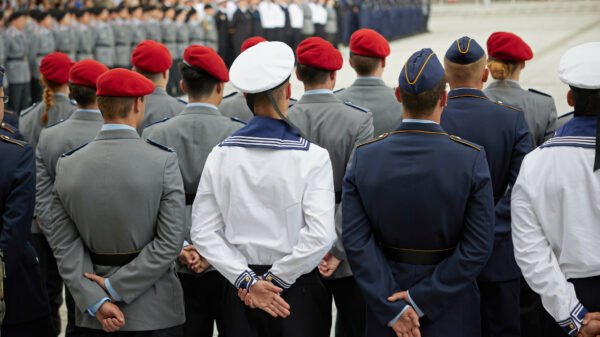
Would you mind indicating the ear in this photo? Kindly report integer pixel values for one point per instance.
(288, 91)
(137, 105)
(333, 75)
(444, 99)
(219, 87)
(351, 64)
(397, 93)
(522, 65)
(182, 87)
(486, 74)
(298, 75)
(245, 95)
(166, 74)
(570, 100)
(383, 63)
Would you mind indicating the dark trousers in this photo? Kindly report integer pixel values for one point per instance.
(320, 31)
(532, 312)
(203, 299)
(37, 90)
(309, 307)
(176, 331)
(54, 283)
(351, 307)
(296, 38)
(42, 327)
(500, 308)
(20, 96)
(72, 330)
(270, 34)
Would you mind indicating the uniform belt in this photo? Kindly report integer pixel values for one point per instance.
(24, 58)
(189, 198)
(415, 256)
(113, 259)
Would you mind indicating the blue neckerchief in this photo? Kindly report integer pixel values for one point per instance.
(424, 121)
(110, 127)
(578, 132)
(267, 133)
(318, 92)
(206, 105)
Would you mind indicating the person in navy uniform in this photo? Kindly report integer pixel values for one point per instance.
(418, 215)
(27, 309)
(504, 133)
(6, 128)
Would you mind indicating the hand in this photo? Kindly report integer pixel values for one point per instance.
(591, 325)
(328, 265)
(201, 266)
(246, 298)
(101, 282)
(403, 295)
(265, 296)
(110, 316)
(408, 324)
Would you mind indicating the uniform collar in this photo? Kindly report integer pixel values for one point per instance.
(267, 133)
(420, 126)
(322, 98)
(466, 92)
(117, 131)
(579, 126)
(319, 92)
(87, 115)
(159, 91)
(505, 83)
(200, 108)
(370, 81)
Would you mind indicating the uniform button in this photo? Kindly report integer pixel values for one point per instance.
(247, 279)
(269, 278)
(571, 326)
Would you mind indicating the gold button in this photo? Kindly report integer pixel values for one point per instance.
(269, 278)
(571, 326)
(247, 279)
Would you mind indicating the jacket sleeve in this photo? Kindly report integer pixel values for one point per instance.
(552, 120)
(435, 292)
(134, 278)
(43, 191)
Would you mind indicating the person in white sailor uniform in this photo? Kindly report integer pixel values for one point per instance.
(555, 207)
(263, 215)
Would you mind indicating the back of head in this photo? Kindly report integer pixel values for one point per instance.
(464, 63)
(117, 91)
(82, 81)
(151, 59)
(368, 50)
(201, 70)
(54, 69)
(506, 52)
(317, 58)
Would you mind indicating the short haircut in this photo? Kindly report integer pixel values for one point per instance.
(84, 96)
(151, 76)
(424, 102)
(464, 73)
(586, 98)
(311, 75)
(115, 107)
(198, 83)
(364, 65)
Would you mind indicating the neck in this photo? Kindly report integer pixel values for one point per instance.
(433, 116)
(267, 110)
(124, 121)
(454, 85)
(377, 73)
(161, 83)
(328, 86)
(63, 89)
(212, 99)
(89, 107)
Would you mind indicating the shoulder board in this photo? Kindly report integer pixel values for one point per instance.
(566, 115)
(182, 101)
(159, 145)
(7, 127)
(235, 119)
(28, 110)
(159, 121)
(12, 140)
(375, 140)
(464, 142)
(336, 91)
(73, 102)
(356, 107)
(73, 151)
(10, 112)
(230, 95)
(506, 105)
(51, 125)
(293, 100)
(539, 92)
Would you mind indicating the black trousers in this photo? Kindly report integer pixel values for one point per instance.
(351, 307)
(500, 308)
(532, 312)
(176, 331)
(203, 299)
(72, 330)
(37, 90)
(42, 327)
(20, 96)
(310, 311)
(54, 283)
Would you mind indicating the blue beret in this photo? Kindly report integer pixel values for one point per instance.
(464, 51)
(1, 76)
(421, 72)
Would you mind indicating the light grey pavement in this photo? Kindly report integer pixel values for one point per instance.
(550, 28)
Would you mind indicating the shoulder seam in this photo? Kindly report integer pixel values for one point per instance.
(383, 136)
(506, 105)
(356, 107)
(11, 140)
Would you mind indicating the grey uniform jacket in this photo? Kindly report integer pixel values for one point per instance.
(309, 26)
(81, 128)
(122, 34)
(120, 194)
(159, 105)
(373, 95)
(192, 134)
(30, 121)
(17, 65)
(2, 49)
(539, 109)
(183, 38)
(338, 127)
(211, 38)
(66, 41)
(168, 31)
(153, 32)
(138, 32)
(105, 44)
(234, 105)
(85, 42)
(41, 43)
(196, 30)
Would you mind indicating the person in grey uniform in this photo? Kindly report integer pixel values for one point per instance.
(17, 65)
(122, 32)
(183, 41)
(564, 118)
(62, 137)
(308, 28)
(368, 50)
(41, 43)
(64, 37)
(507, 55)
(104, 40)
(168, 31)
(195, 28)
(338, 127)
(85, 35)
(193, 134)
(118, 218)
(136, 27)
(153, 60)
(152, 24)
(211, 35)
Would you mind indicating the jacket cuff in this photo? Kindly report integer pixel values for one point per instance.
(572, 324)
(94, 308)
(246, 280)
(277, 281)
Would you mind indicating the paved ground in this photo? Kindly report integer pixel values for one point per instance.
(550, 28)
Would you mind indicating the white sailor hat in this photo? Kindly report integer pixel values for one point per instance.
(580, 66)
(263, 67)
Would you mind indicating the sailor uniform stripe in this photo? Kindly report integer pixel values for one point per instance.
(235, 119)
(276, 280)
(159, 121)
(356, 107)
(73, 151)
(274, 143)
(246, 280)
(230, 95)
(460, 140)
(159, 145)
(10, 140)
(578, 313)
(585, 142)
(383, 136)
(51, 125)
(539, 92)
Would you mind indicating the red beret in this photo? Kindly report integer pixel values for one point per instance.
(55, 67)
(207, 59)
(318, 53)
(251, 42)
(151, 57)
(368, 42)
(86, 72)
(123, 83)
(508, 47)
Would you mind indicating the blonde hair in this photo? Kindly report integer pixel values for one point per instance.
(502, 70)
(464, 74)
(49, 88)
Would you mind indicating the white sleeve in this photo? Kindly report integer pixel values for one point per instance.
(537, 261)
(207, 231)
(317, 237)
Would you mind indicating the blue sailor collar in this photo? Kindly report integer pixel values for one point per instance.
(267, 133)
(578, 132)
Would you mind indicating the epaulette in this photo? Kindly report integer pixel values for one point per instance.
(383, 136)
(336, 91)
(506, 105)
(356, 107)
(7, 128)
(566, 115)
(293, 99)
(159, 145)
(159, 121)
(182, 101)
(540, 93)
(73, 151)
(73, 102)
(230, 95)
(464, 142)
(12, 140)
(10, 112)
(51, 125)
(235, 119)
(28, 110)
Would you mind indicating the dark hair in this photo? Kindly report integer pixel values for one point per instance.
(167, 8)
(133, 9)
(586, 101)
(15, 15)
(263, 98)
(149, 8)
(84, 96)
(311, 75)
(364, 65)
(189, 14)
(79, 13)
(35, 14)
(115, 107)
(58, 14)
(198, 83)
(424, 102)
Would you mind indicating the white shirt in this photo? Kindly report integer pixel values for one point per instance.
(277, 15)
(264, 207)
(296, 16)
(318, 12)
(556, 223)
